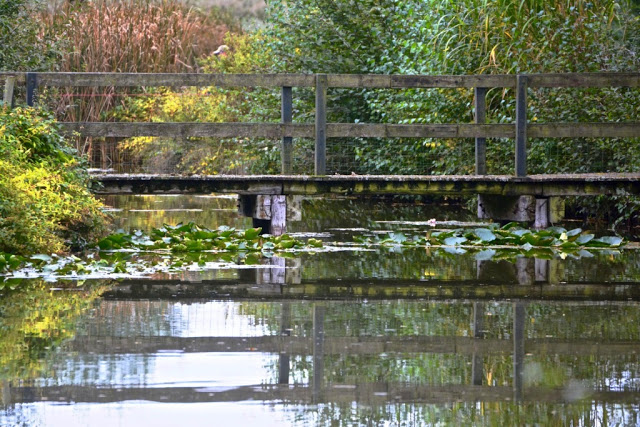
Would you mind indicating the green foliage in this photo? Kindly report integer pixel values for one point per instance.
(45, 204)
(34, 322)
(23, 46)
(169, 248)
(440, 37)
(211, 104)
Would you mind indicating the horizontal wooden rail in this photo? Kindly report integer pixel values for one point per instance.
(364, 393)
(381, 81)
(350, 130)
(350, 345)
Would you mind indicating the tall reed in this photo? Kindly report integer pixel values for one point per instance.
(139, 36)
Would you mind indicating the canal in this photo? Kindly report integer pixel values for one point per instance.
(347, 335)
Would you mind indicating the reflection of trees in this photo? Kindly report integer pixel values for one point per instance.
(321, 214)
(34, 321)
(154, 211)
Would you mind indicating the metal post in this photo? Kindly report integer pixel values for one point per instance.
(321, 124)
(8, 91)
(480, 118)
(32, 84)
(521, 126)
(287, 141)
(518, 350)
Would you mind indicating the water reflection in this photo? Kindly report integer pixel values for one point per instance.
(408, 337)
(394, 360)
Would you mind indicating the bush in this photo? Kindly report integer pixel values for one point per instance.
(23, 47)
(45, 205)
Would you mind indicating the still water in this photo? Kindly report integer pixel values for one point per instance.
(348, 337)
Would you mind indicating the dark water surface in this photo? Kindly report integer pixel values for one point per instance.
(377, 337)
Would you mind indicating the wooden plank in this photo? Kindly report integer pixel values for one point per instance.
(183, 130)
(287, 141)
(418, 81)
(334, 80)
(480, 116)
(521, 126)
(21, 77)
(351, 130)
(32, 84)
(585, 80)
(9, 85)
(381, 130)
(321, 125)
(286, 153)
(359, 80)
(469, 81)
(175, 79)
(577, 130)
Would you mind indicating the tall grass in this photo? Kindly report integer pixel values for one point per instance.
(139, 36)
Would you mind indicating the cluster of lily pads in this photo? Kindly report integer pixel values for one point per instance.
(165, 249)
(511, 238)
(195, 238)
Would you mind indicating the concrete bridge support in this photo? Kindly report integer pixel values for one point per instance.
(541, 211)
(271, 212)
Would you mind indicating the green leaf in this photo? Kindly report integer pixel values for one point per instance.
(252, 259)
(454, 241)
(485, 255)
(611, 240)
(511, 225)
(574, 232)
(42, 257)
(584, 238)
(252, 233)
(485, 234)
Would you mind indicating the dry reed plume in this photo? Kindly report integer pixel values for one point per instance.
(129, 36)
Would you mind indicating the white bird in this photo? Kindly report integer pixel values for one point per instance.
(221, 51)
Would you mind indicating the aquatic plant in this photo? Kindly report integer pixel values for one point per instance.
(508, 241)
(166, 249)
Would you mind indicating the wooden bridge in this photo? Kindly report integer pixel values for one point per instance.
(519, 196)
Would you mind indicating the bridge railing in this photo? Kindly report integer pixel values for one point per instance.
(520, 131)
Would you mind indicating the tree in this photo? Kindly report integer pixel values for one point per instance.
(24, 47)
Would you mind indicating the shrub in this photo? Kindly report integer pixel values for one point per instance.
(45, 205)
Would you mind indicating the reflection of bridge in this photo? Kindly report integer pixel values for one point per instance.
(525, 284)
(476, 348)
(527, 279)
(519, 197)
(366, 394)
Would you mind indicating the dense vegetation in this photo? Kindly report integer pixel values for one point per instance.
(338, 36)
(417, 37)
(45, 204)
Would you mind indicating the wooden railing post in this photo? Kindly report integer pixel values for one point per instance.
(521, 125)
(519, 317)
(321, 124)
(32, 83)
(9, 84)
(287, 141)
(480, 118)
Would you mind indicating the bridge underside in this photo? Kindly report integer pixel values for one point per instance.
(505, 185)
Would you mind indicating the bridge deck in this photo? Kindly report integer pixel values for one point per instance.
(625, 184)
